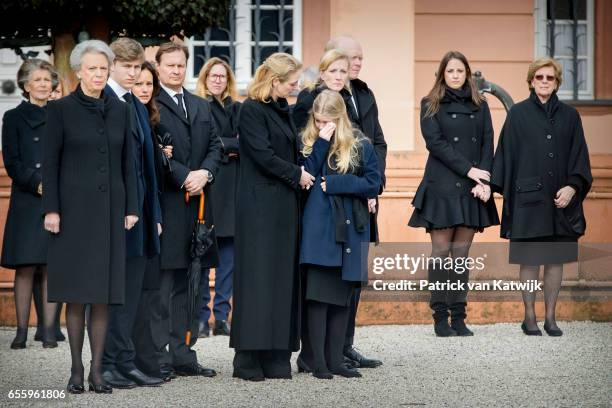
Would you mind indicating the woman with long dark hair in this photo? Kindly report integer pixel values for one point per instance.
(453, 201)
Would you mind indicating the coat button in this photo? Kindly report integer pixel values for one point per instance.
(102, 149)
(36, 138)
(551, 155)
(455, 139)
(539, 185)
(348, 222)
(348, 250)
(518, 188)
(454, 115)
(102, 169)
(549, 137)
(102, 187)
(101, 130)
(550, 173)
(37, 165)
(471, 116)
(552, 121)
(458, 184)
(474, 139)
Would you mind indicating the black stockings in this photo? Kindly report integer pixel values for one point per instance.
(553, 275)
(327, 329)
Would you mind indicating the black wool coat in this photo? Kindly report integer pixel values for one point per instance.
(195, 146)
(458, 137)
(305, 100)
(541, 149)
(266, 282)
(89, 179)
(225, 188)
(25, 239)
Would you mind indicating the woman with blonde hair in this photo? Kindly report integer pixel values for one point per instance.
(542, 169)
(333, 74)
(217, 84)
(265, 327)
(335, 226)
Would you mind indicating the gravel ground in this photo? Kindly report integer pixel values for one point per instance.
(499, 366)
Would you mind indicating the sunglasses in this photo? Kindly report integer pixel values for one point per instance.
(549, 78)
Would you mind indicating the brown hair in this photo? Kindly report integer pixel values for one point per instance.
(437, 92)
(152, 105)
(279, 66)
(541, 63)
(27, 68)
(126, 49)
(230, 89)
(169, 47)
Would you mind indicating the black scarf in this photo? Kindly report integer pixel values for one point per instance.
(462, 95)
(361, 215)
(550, 106)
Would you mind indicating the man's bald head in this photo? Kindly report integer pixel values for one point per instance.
(350, 47)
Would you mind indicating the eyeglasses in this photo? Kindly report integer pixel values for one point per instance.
(549, 78)
(218, 77)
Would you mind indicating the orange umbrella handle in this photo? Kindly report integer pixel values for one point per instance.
(201, 209)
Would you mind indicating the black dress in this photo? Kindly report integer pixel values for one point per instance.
(90, 180)
(458, 137)
(25, 239)
(542, 149)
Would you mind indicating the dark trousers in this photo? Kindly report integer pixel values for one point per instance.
(160, 317)
(350, 327)
(119, 349)
(181, 353)
(223, 283)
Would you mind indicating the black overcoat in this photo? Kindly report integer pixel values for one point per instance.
(89, 179)
(195, 146)
(541, 149)
(458, 137)
(266, 283)
(25, 239)
(225, 188)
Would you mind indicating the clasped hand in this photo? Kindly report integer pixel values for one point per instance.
(195, 181)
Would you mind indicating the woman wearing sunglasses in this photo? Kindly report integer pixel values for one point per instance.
(542, 169)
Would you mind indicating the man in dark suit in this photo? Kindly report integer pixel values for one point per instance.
(195, 159)
(366, 108)
(142, 241)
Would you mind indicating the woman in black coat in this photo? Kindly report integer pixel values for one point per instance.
(453, 200)
(25, 241)
(89, 201)
(265, 325)
(542, 169)
(217, 84)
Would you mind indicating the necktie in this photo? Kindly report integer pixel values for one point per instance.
(179, 98)
(128, 97)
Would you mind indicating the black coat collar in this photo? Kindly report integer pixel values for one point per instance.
(364, 99)
(282, 117)
(32, 114)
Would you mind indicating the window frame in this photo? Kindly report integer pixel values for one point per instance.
(244, 42)
(541, 39)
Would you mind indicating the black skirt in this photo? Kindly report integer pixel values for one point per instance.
(324, 284)
(435, 210)
(553, 249)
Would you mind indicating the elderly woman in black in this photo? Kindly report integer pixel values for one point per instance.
(89, 201)
(25, 241)
(453, 200)
(542, 169)
(217, 83)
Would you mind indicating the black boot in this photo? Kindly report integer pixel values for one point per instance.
(441, 326)
(19, 342)
(458, 316)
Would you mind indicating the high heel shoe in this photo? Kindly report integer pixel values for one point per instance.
(103, 388)
(19, 342)
(553, 332)
(528, 332)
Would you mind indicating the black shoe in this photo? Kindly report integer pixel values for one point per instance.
(303, 367)
(552, 332)
(323, 374)
(75, 388)
(38, 335)
(117, 380)
(141, 379)
(59, 336)
(350, 363)
(221, 328)
(103, 388)
(254, 378)
(203, 330)
(443, 329)
(167, 372)
(346, 371)
(194, 369)
(49, 340)
(19, 342)
(460, 328)
(536, 332)
(360, 360)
